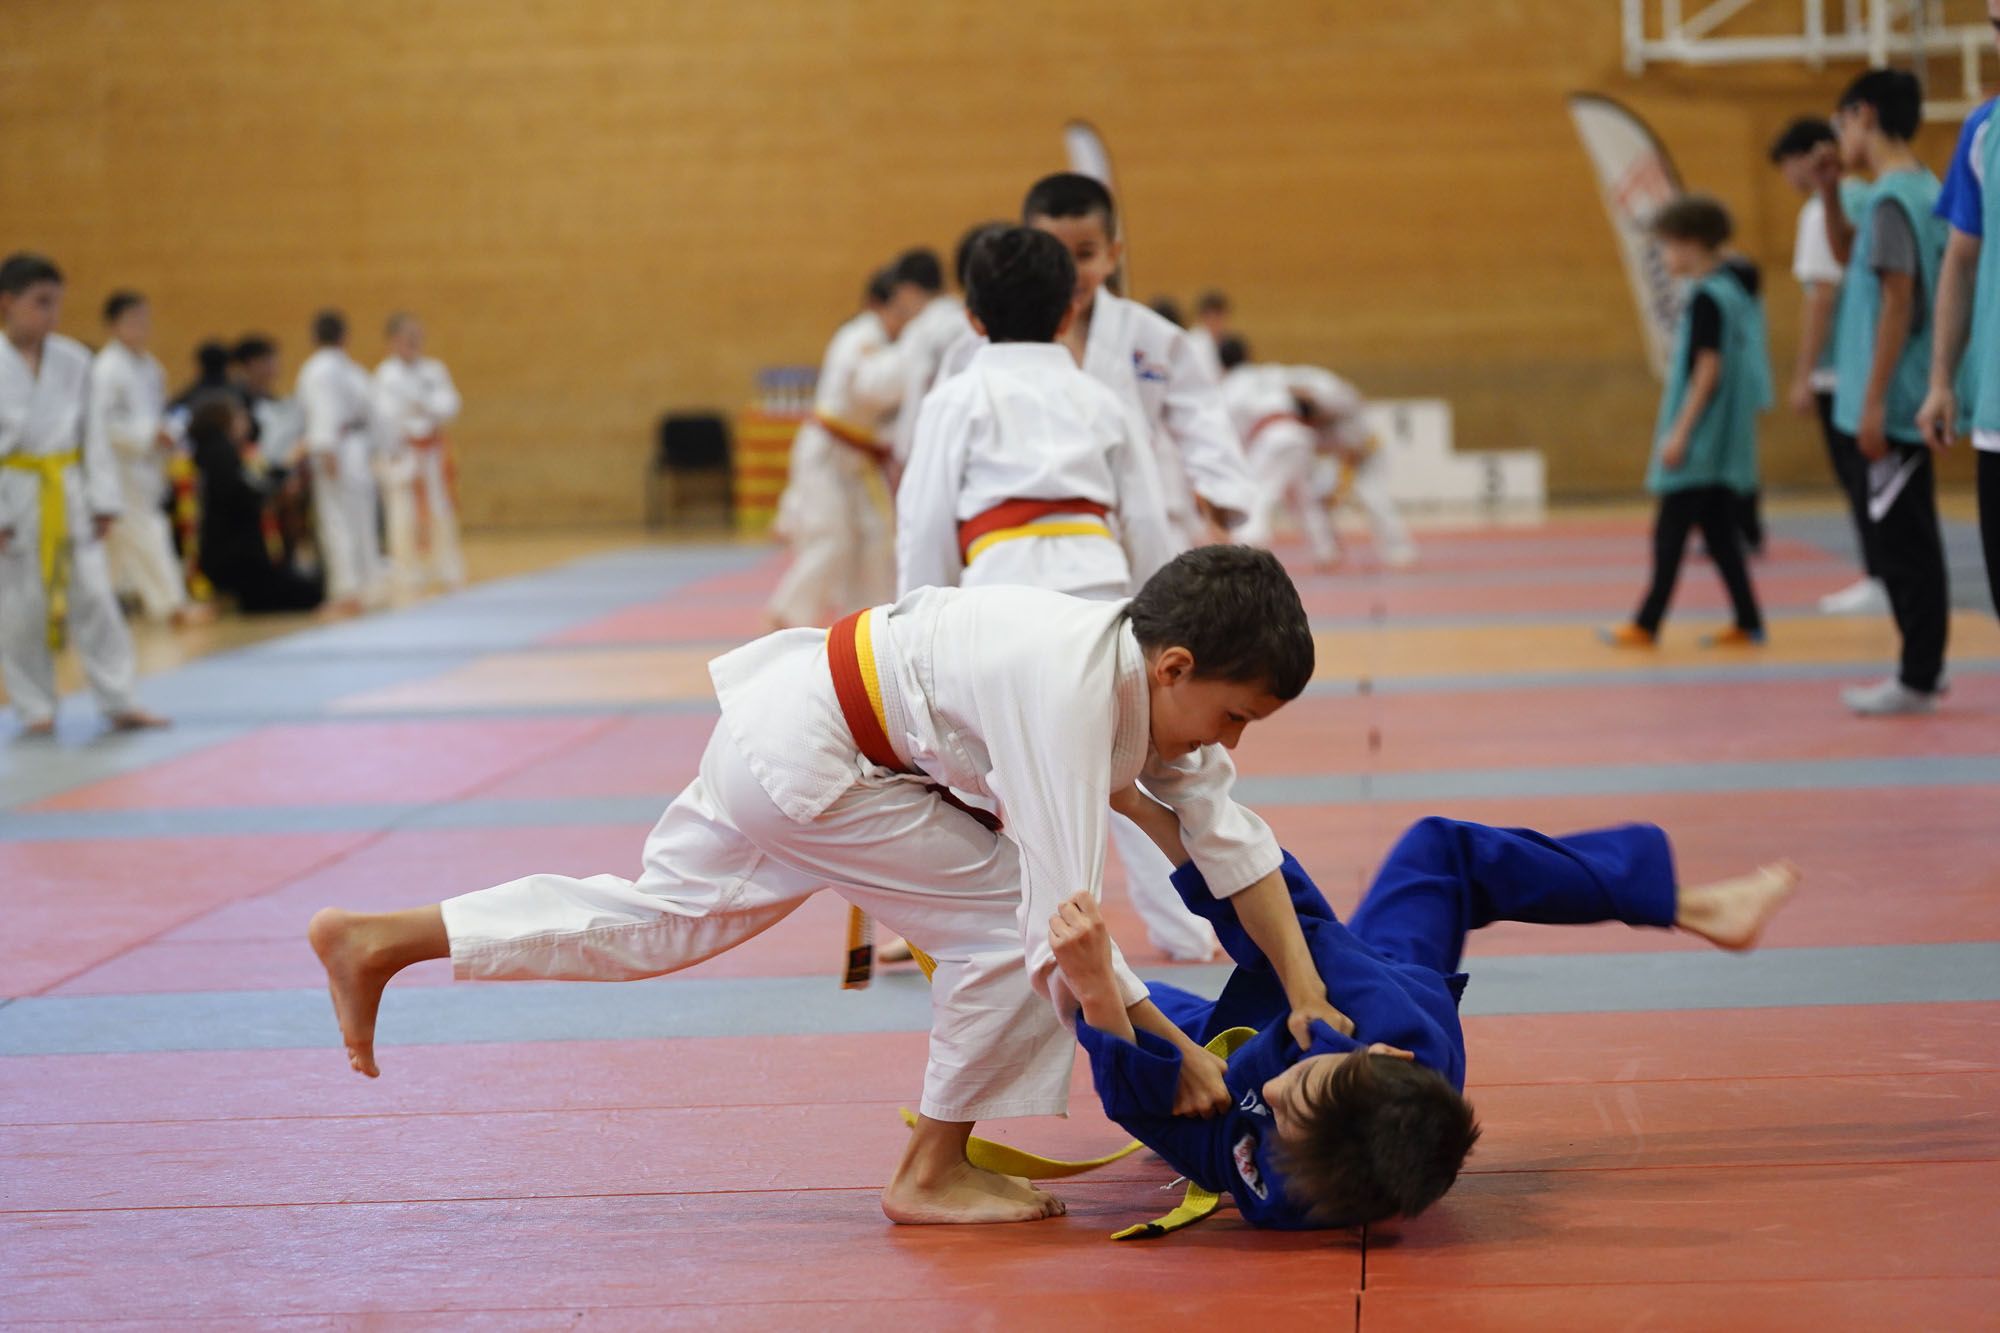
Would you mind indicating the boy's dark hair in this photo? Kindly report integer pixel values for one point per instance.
(1167, 308)
(1800, 137)
(1896, 96)
(1384, 1137)
(211, 358)
(1070, 195)
(880, 287)
(1232, 351)
(23, 269)
(1019, 283)
(1235, 610)
(1693, 217)
(1212, 301)
(921, 267)
(961, 258)
(252, 347)
(329, 328)
(116, 304)
(210, 416)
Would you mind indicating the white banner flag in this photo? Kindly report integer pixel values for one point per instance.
(1634, 176)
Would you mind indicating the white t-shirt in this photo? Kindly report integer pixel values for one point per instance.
(1813, 261)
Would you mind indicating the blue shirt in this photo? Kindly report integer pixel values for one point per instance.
(1401, 1003)
(1960, 203)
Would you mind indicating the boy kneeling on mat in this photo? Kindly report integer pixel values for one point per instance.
(1354, 1129)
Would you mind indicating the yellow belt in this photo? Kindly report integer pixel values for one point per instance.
(1080, 527)
(54, 545)
(1196, 1203)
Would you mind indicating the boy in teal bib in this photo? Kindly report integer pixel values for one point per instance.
(1882, 353)
(1969, 293)
(1705, 438)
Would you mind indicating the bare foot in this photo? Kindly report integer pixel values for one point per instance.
(1733, 913)
(346, 608)
(967, 1194)
(38, 731)
(194, 613)
(137, 719)
(355, 975)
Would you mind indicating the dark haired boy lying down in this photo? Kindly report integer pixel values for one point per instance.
(1358, 1129)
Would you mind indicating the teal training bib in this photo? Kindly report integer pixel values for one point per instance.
(1722, 449)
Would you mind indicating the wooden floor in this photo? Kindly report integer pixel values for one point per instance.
(1806, 1138)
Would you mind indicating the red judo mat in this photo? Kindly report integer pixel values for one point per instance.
(1742, 1166)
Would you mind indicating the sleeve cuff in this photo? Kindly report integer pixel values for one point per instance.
(1325, 1041)
(1242, 869)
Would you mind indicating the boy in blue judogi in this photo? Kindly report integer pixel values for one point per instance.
(1346, 1130)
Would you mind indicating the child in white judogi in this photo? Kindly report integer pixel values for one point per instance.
(1306, 430)
(1210, 327)
(836, 509)
(59, 497)
(1026, 471)
(832, 767)
(337, 398)
(128, 404)
(414, 401)
(912, 364)
(1147, 361)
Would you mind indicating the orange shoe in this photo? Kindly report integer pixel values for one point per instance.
(1734, 637)
(1628, 636)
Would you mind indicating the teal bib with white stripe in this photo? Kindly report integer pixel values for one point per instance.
(1979, 376)
(1914, 191)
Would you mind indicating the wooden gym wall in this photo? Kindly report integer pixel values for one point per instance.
(606, 208)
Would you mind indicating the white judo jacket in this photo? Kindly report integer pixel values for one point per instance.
(1033, 699)
(1023, 422)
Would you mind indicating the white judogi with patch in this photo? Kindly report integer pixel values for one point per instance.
(908, 369)
(42, 416)
(835, 509)
(1032, 700)
(414, 402)
(1299, 463)
(337, 398)
(128, 405)
(1149, 363)
(1024, 423)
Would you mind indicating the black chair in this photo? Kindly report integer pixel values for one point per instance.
(690, 467)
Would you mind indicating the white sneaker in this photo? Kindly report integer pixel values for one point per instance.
(1888, 698)
(1863, 597)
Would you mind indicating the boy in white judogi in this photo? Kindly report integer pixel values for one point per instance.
(128, 404)
(1148, 362)
(914, 363)
(337, 398)
(59, 496)
(1210, 327)
(836, 510)
(1028, 472)
(414, 401)
(832, 768)
(1306, 431)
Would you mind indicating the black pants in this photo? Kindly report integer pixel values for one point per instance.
(1713, 509)
(1850, 469)
(1989, 521)
(1909, 549)
(1750, 521)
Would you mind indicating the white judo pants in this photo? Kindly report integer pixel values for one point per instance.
(413, 493)
(1282, 458)
(96, 627)
(836, 515)
(350, 551)
(141, 548)
(1097, 569)
(725, 864)
(1370, 490)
